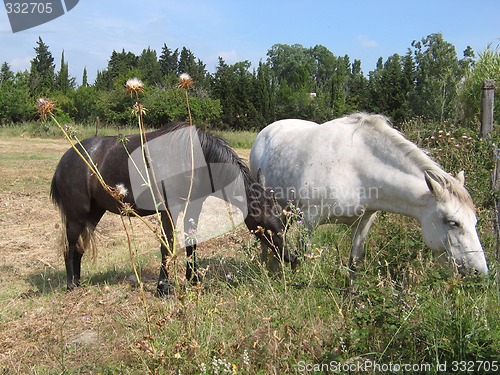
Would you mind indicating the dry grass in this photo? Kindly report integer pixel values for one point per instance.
(407, 310)
(43, 327)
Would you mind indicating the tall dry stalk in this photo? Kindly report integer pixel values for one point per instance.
(133, 87)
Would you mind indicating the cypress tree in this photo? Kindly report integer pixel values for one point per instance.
(42, 70)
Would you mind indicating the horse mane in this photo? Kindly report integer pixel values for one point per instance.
(217, 150)
(383, 126)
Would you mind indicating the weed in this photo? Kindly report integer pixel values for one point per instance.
(407, 309)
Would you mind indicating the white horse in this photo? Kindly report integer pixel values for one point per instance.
(346, 170)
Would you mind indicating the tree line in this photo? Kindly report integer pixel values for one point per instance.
(294, 81)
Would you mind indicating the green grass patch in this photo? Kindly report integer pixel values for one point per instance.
(38, 129)
(238, 139)
(404, 308)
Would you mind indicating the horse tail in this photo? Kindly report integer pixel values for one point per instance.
(56, 199)
(86, 241)
(54, 194)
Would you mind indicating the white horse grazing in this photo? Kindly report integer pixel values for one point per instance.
(345, 170)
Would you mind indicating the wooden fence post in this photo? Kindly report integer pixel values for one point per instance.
(97, 123)
(487, 109)
(496, 186)
(487, 106)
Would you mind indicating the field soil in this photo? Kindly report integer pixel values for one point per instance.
(41, 325)
(403, 308)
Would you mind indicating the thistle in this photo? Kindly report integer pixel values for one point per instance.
(119, 191)
(45, 107)
(134, 86)
(138, 109)
(185, 81)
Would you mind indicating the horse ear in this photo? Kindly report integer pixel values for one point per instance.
(433, 183)
(461, 177)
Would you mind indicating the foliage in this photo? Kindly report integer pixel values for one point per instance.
(437, 76)
(42, 70)
(390, 85)
(404, 309)
(486, 67)
(233, 86)
(292, 82)
(63, 82)
(16, 104)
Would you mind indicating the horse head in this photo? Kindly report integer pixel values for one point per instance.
(265, 222)
(449, 222)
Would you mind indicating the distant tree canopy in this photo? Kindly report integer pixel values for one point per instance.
(430, 81)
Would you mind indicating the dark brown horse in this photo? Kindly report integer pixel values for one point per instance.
(184, 166)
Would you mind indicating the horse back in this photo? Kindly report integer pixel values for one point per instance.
(73, 185)
(293, 152)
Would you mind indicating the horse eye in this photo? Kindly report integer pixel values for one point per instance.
(453, 223)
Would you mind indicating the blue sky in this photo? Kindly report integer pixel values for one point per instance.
(240, 30)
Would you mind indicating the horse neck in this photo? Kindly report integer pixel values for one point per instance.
(403, 194)
(400, 187)
(396, 167)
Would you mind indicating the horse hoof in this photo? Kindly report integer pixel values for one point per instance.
(164, 289)
(72, 286)
(195, 280)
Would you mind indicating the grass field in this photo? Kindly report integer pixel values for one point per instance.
(242, 320)
(237, 139)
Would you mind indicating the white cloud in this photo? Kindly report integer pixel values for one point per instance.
(367, 42)
(21, 63)
(230, 57)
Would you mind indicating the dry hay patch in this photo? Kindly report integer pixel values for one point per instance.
(43, 327)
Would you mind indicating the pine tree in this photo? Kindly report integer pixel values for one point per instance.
(150, 67)
(437, 78)
(84, 78)
(169, 61)
(6, 75)
(121, 63)
(42, 70)
(188, 63)
(407, 84)
(121, 66)
(340, 81)
(63, 81)
(264, 94)
(358, 92)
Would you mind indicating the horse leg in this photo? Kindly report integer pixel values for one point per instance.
(72, 257)
(88, 233)
(190, 226)
(359, 233)
(76, 230)
(163, 287)
(77, 266)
